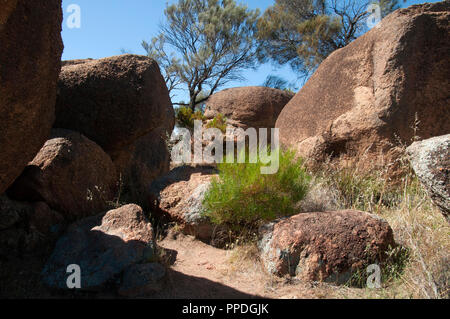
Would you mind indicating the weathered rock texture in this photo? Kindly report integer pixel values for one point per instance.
(430, 160)
(325, 246)
(30, 55)
(103, 246)
(71, 174)
(179, 196)
(245, 107)
(113, 101)
(364, 95)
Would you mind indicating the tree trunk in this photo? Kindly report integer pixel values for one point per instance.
(192, 104)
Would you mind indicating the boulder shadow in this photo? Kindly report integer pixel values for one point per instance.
(182, 286)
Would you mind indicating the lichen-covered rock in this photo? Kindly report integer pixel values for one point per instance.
(30, 55)
(324, 246)
(366, 96)
(430, 160)
(72, 174)
(103, 246)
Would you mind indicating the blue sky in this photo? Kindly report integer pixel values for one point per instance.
(107, 26)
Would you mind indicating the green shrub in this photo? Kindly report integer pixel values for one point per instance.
(241, 196)
(219, 121)
(185, 117)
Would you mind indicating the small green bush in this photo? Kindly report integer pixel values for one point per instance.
(219, 121)
(185, 117)
(241, 196)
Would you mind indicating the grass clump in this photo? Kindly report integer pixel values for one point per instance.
(241, 197)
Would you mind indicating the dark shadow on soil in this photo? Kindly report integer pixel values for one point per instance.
(182, 286)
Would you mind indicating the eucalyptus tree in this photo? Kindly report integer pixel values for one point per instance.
(203, 44)
(303, 33)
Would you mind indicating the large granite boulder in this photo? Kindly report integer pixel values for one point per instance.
(103, 247)
(30, 55)
(113, 101)
(365, 97)
(325, 246)
(244, 107)
(71, 174)
(430, 160)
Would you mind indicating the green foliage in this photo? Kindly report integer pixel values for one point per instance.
(241, 196)
(204, 44)
(277, 82)
(304, 32)
(219, 121)
(185, 117)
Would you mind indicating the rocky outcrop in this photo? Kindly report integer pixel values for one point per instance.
(103, 247)
(71, 174)
(430, 160)
(365, 96)
(245, 107)
(324, 246)
(113, 101)
(30, 55)
(179, 196)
